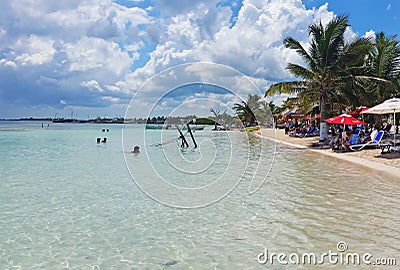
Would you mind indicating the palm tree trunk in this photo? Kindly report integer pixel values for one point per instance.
(323, 127)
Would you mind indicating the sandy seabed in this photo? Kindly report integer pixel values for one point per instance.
(388, 163)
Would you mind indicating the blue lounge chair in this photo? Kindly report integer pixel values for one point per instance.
(373, 143)
(354, 139)
(312, 132)
(387, 128)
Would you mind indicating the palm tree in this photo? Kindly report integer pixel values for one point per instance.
(330, 64)
(264, 114)
(247, 110)
(383, 63)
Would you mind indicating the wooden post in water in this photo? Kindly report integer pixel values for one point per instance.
(184, 142)
(191, 135)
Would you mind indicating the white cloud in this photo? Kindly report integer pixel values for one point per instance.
(253, 45)
(34, 50)
(111, 99)
(370, 34)
(92, 85)
(113, 88)
(8, 64)
(388, 7)
(94, 53)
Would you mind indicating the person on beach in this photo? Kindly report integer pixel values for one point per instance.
(286, 127)
(346, 136)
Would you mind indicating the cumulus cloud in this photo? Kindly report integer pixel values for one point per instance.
(92, 85)
(97, 54)
(8, 64)
(91, 53)
(253, 45)
(34, 50)
(370, 34)
(170, 8)
(111, 99)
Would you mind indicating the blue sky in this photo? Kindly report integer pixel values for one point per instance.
(382, 15)
(91, 57)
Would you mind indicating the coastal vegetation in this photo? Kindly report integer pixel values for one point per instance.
(253, 110)
(337, 74)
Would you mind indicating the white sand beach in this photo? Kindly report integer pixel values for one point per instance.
(388, 163)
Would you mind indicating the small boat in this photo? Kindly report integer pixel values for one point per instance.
(194, 127)
(252, 128)
(155, 126)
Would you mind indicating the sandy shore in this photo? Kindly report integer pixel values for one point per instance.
(388, 163)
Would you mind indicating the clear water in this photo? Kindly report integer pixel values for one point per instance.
(67, 202)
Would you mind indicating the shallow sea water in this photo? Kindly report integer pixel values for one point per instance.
(67, 202)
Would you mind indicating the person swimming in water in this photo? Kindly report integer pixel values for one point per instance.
(136, 149)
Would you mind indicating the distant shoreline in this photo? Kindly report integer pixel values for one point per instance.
(68, 120)
(26, 119)
(116, 120)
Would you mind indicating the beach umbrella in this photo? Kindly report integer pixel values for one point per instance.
(345, 119)
(389, 106)
(359, 110)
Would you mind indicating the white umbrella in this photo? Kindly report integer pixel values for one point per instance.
(389, 106)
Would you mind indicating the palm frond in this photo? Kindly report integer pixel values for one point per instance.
(291, 43)
(285, 88)
(300, 71)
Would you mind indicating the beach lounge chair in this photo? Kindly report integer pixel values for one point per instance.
(373, 143)
(354, 139)
(395, 149)
(387, 128)
(312, 132)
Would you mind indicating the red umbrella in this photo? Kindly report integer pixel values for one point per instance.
(359, 110)
(308, 117)
(345, 119)
(318, 116)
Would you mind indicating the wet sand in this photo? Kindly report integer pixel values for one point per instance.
(388, 163)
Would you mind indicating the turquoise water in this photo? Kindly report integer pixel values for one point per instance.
(67, 202)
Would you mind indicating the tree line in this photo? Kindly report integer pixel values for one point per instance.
(339, 74)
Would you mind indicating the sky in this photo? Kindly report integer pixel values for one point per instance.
(90, 58)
